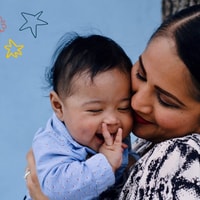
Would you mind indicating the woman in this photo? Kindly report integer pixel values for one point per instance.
(166, 101)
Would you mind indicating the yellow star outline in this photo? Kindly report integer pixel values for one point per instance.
(10, 45)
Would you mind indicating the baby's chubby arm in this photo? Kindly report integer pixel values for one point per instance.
(112, 148)
(66, 174)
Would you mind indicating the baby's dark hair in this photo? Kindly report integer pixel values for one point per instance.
(92, 54)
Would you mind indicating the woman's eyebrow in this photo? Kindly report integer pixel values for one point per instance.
(142, 65)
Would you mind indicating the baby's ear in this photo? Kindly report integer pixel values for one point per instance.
(56, 104)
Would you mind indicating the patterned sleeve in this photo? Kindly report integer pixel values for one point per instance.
(170, 170)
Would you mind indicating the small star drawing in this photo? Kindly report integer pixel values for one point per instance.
(32, 22)
(9, 48)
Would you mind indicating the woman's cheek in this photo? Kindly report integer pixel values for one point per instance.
(167, 120)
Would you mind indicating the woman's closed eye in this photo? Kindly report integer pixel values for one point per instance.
(164, 101)
(141, 73)
(140, 76)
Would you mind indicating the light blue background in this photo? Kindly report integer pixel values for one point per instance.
(24, 106)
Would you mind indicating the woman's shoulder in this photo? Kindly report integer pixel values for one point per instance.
(175, 156)
(183, 145)
(169, 169)
(172, 155)
(179, 144)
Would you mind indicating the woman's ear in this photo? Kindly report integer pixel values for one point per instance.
(56, 104)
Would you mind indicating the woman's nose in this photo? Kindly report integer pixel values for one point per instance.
(141, 101)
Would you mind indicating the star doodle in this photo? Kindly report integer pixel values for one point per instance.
(32, 22)
(13, 46)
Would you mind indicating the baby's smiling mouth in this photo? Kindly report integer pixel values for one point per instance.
(100, 136)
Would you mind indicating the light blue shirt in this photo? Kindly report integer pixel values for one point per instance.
(63, 169)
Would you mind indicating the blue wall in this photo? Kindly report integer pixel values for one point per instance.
(29, 31)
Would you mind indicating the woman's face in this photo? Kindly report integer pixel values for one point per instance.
(162, 100)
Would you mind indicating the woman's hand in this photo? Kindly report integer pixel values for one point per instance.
(32, 181)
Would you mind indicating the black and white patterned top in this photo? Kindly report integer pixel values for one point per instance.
(169, 171)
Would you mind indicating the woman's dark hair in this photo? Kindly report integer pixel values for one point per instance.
(184, 29)
(92, 54)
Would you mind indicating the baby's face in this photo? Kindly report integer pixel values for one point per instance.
(105, 99)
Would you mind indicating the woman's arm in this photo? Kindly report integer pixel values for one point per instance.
(32, 181)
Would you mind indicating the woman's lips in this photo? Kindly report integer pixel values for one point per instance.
(140, 120)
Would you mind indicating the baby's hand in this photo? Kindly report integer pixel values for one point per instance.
(112, 148)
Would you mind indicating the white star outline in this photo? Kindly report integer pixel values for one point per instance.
(32, 22)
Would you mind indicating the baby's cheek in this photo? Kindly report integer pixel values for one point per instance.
(128, 128)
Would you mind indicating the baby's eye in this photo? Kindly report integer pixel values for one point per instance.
(125, 108)
(95, 110)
